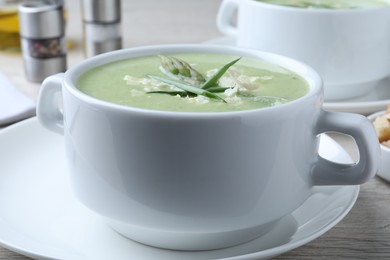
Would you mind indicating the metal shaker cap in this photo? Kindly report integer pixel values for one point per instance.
(41, 19)
(101, 11)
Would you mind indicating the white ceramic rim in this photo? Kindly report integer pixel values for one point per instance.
(305, 71)
(317, 10)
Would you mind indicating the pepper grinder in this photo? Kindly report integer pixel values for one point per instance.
(42, 35)
(102, 26)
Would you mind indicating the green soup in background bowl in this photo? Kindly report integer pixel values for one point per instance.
(329, 4)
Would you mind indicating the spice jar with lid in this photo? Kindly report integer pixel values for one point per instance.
(42, 36)
(102, 26)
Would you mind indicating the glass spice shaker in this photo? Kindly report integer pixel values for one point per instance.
(102, 26)
(42, 36)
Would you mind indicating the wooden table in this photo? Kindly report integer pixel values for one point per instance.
(363, 234)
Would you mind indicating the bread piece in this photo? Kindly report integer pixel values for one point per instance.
(388, 109)
(382, 127)
(386, 143)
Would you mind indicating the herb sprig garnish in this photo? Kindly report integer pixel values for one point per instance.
(185, 87)
(214, 79)
(192, 82)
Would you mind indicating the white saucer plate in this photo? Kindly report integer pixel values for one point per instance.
(40, 217)
(372, 102)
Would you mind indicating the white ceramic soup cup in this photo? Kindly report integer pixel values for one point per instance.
(349, 48)
(197, 181)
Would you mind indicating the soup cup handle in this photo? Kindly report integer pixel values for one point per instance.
(326, 172)
(225, 15)
(49, 111)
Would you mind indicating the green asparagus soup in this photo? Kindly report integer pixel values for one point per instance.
(329, 4)
(193, 83)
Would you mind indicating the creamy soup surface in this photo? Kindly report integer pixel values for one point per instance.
(248, 84)
(329, 4)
